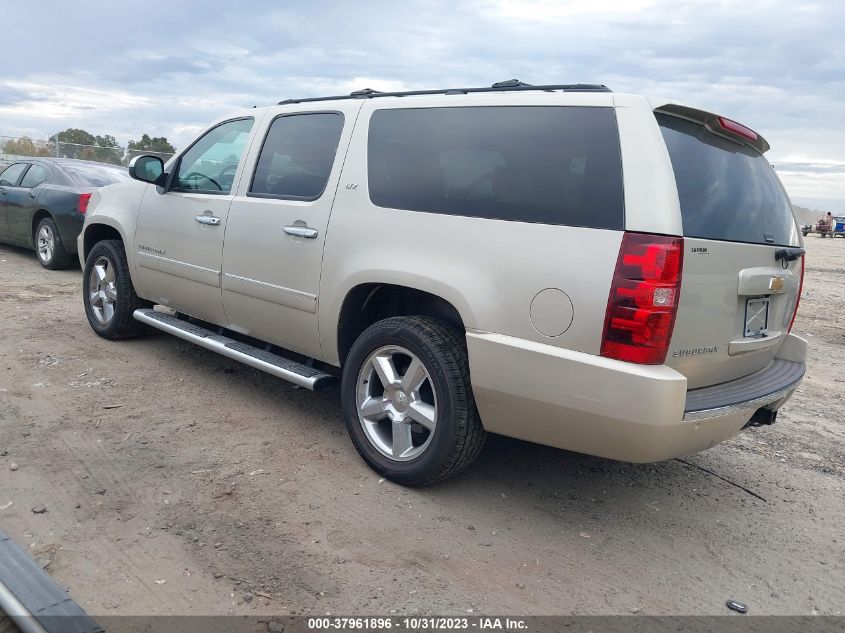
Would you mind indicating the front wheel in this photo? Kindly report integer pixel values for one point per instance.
(408, 403)
(108, 293)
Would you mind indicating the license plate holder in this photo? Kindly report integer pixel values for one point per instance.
(757, 317)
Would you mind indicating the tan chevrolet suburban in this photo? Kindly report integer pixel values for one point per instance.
(594, 271)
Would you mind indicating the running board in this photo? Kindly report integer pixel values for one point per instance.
(279, 366)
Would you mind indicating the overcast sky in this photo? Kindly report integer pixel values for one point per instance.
(167, 68)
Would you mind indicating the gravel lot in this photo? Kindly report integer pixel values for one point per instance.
(176, 481)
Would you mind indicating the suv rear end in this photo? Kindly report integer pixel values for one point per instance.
(743, 272)
(696, 341)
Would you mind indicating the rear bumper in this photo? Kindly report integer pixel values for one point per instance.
(599, 406)
(760, 389)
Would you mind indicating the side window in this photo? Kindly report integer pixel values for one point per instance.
(297, 156)
(10, 176)
(35, 176)
(551, 165)
(210, 164)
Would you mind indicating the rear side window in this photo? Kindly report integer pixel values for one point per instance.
(35, 176)
(553, 165)
(297, 156)
(95, 175)
(727, 191)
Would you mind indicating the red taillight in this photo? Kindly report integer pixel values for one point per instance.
(643, 299)
(82, 203)
(737, 128)
(798, 298)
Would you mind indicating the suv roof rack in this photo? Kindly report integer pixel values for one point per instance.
(511, 85)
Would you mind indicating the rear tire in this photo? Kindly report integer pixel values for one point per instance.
(444, 433)
(49, 249)
(108, 293)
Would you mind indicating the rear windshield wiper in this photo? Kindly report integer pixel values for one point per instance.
(788, 254)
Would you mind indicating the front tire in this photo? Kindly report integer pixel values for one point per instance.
(408, 403)
(48, 246)
(108, 293)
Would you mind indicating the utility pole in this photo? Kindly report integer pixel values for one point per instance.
(57, 145)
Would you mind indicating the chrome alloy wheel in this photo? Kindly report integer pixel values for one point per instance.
(102, 291)
(46, 243)
(397, 404)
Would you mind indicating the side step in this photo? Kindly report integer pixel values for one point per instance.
(279, 366)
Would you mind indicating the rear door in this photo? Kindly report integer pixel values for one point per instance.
(20, 214)
(10, 195)
(276, 229)
(737, 298)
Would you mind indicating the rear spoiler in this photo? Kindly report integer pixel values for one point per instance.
(717, 125)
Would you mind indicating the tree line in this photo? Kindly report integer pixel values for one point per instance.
(76, 143)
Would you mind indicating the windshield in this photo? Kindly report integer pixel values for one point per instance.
(96, 175)
(727, 191)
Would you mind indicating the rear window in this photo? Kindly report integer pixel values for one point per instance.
(35, 176)
(95, 175)
(727, 191)
(553, 165)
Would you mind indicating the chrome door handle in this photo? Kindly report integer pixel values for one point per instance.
(298, 230)
(208, 219)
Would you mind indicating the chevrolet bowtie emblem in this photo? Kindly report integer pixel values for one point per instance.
(776, 284)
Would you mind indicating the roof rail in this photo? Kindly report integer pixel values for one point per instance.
(511, 85)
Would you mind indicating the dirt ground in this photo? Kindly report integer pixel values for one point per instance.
(176, 481)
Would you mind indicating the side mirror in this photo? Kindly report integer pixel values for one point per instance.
(147, 168)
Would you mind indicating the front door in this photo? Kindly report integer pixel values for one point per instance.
(277, 227)
(179, 238)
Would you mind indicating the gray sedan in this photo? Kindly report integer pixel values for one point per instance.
(43, 203)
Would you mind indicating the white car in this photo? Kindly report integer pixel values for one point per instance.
(589, 270)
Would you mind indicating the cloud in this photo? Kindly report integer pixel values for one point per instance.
(48, 99)
(775, 65)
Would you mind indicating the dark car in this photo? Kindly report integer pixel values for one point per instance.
(43, 203)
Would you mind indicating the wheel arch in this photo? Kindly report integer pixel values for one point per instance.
(97, 232)
(38, 215)
(369, 302)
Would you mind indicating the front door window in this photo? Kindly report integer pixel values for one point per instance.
(209, 166)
